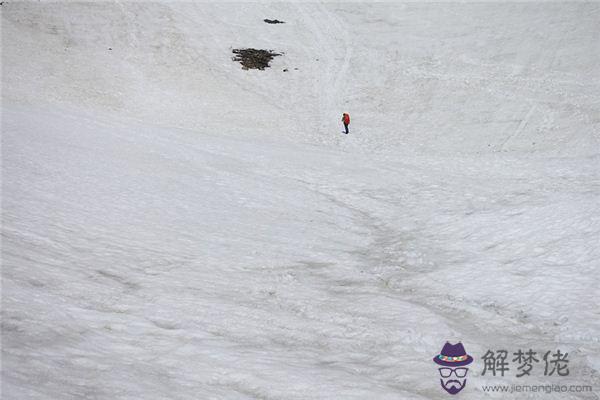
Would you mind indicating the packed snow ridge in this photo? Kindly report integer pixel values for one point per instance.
(177, 227)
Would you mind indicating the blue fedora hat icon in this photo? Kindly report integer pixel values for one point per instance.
(453, 355)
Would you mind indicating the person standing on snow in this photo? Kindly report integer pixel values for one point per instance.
(346, 121)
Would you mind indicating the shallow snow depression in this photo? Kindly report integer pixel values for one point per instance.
(177, 227)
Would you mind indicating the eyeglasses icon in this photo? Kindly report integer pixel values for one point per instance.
(447, 372)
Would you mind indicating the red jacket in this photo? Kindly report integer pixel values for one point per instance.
(346, 119)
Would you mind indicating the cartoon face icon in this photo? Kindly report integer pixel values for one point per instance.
(453, 372)
(453, 380)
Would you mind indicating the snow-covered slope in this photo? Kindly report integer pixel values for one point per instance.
(437, 78)
(177, 227)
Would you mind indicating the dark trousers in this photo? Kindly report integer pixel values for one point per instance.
(346, 127)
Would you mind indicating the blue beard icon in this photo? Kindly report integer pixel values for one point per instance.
(453, 386)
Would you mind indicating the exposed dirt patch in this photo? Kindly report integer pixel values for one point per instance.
(273, 21)
(254, 58)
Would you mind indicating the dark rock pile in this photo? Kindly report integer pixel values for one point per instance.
(254, 58)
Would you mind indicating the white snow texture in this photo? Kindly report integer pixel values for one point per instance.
(177, 227)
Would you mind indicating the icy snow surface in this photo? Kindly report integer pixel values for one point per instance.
(175, 227)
